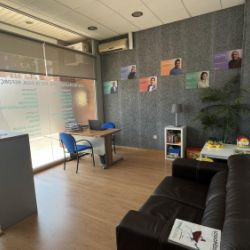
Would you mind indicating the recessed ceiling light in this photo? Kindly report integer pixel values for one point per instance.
(92, 28)
(137, 14)
(29, 22)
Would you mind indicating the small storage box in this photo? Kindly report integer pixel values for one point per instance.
(193, 152)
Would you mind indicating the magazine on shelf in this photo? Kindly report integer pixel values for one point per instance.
(194, 236)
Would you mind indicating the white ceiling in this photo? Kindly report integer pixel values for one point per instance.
(112, 17)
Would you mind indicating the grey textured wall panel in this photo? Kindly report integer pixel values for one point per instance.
(197, 43)
(148, 52)
(130, 114)
(245, 81)
(228, 27)
(195, 40)
(148, 109)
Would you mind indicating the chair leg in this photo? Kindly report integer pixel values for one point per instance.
(64, 164)
(78, 158)
(64, 156)
(93, 157)
(114, 145)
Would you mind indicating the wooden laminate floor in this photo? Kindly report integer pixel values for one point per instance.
(80, 211)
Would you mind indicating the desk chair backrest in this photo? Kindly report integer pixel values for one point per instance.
(108, 125)
(69, 142)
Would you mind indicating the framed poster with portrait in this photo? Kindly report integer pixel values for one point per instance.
(110, 87)
(148, 84)
(230, 59)
(196, 80)
(171, 67)
(128, 72)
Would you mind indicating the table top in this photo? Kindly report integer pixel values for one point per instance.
(219, 153)
(96, 133)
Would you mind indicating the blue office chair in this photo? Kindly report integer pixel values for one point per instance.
(109, 125)
(75, 150)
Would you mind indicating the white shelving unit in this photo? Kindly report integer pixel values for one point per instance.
(175, 142)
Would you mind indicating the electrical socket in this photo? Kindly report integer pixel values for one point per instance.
(155, 137)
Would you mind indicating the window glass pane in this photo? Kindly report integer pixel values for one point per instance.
(40, 106)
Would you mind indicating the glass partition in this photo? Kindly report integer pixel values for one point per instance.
(40, 106)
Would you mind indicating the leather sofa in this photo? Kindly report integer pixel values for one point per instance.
(212, 194)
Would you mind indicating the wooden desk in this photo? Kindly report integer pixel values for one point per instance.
(107, 135)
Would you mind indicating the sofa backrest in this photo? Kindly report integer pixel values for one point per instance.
(236, 228)
(214, 212)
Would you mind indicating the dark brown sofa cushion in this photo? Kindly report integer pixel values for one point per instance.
(184, 191)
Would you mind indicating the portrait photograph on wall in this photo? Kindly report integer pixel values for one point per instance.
(148, 84)
(110, 87)
(128, 72)
(171, 67)
(228, 59)
(196, 80)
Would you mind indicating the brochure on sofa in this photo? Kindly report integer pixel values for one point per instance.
(194, 236)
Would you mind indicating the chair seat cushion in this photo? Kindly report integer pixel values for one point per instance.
(185, 191)
(82, 147)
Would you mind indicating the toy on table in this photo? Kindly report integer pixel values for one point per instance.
(243, 145)
(214, 144)
(242, 142)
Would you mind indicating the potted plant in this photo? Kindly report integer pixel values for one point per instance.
(223, 109)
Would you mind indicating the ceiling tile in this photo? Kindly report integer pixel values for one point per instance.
(168, 10)
(148, 19)
(18, 2)
(74, 3)
(117, 24)
(95, 10)
(48, 7)
(81, 23)
(102, 33)
(74, 18)
(198, 7)
(231, 3)
(129, 5)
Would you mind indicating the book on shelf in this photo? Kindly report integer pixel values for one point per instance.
(194, 236)
(174, 151)
(172, 156)
(173, 137)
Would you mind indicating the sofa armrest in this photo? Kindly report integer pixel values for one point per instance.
(138, 231)
(198, 171)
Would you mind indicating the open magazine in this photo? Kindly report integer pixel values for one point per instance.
(194, 236)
